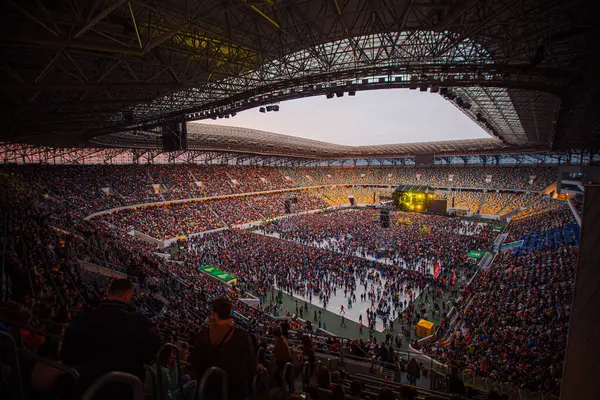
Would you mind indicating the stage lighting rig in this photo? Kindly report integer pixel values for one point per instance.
(269, 108)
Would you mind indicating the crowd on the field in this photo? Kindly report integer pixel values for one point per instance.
(316, 274)
(415, 240)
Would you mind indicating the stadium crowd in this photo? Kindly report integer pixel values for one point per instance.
(51, 292)
(512, 323)
(182, 219)
(414, 240)
(91, 188)
(263, 261)
(495, 202)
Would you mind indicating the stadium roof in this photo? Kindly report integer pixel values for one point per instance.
(75, 70)
(250, 141)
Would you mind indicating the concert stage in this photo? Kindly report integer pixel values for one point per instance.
(417, 198)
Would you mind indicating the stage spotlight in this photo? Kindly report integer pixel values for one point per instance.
(339, 94)
(275, 108)
(262, 110)
(352, 93)
(269, 108)
(329, 95)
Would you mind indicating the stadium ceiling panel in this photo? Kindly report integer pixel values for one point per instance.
(75, 70)
(219, 138)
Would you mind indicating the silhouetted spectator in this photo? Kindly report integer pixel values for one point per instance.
(113, 337)
(224, 346)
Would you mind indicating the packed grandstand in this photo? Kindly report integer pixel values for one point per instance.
(354, 250)
(506, 323)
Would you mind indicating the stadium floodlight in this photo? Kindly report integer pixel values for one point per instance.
(262, 110)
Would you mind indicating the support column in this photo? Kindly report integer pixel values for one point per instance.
(581, 373)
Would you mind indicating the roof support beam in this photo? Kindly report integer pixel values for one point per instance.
(99, 17)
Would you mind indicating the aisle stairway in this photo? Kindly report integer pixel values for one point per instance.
(574, 211)
(481, 202)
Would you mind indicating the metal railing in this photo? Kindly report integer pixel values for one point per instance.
(287, 376)
(116, 377)
(213, 370)
(8, 342)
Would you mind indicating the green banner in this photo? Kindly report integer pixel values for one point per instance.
(498, 228)
(219, 274)
(511, 245)
(475, 254)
